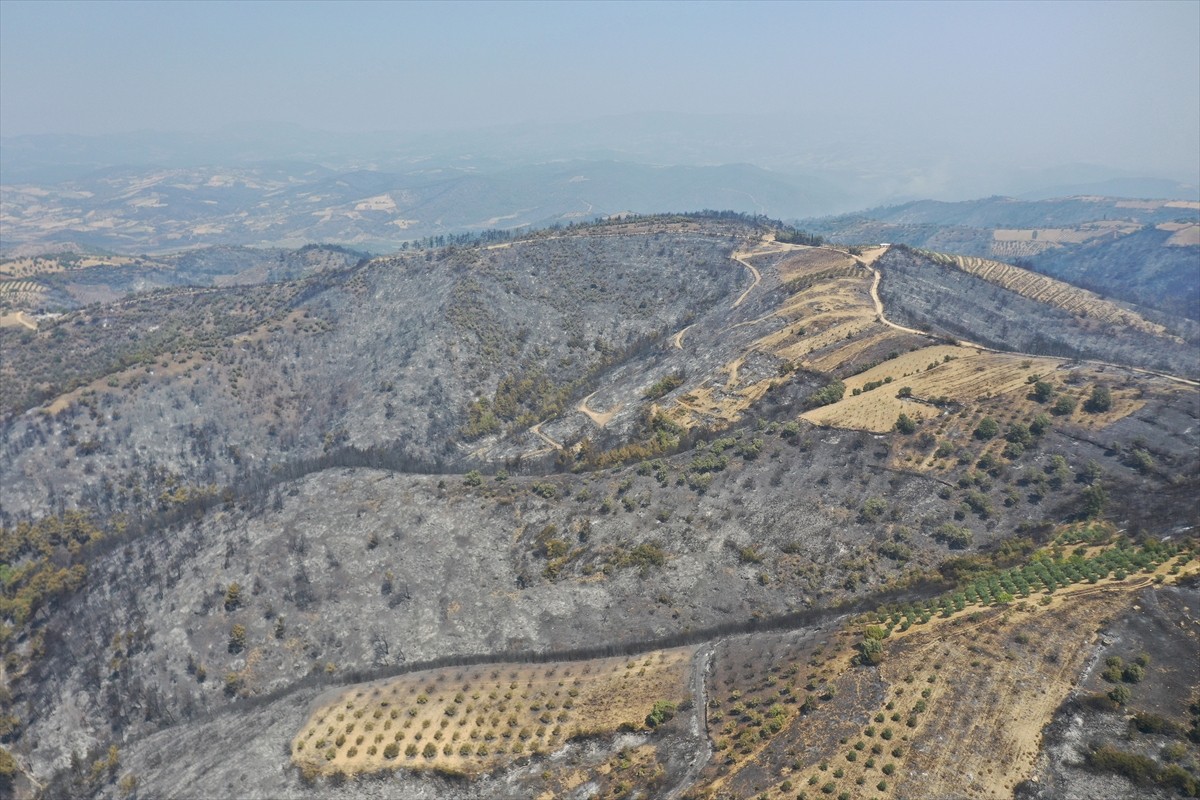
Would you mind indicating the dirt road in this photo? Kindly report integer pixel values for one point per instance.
(698, 724)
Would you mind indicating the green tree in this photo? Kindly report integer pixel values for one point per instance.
(905, 424)
(1043, 391)
(1063, 406)
(1099, 401)
(870, 649)
(1093, 500)
(1018, 433)
(987, 428)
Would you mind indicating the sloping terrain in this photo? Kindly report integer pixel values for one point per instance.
(58, 282)
(701, 440)
(1004, 311)
(1140, 252)
(437, 352)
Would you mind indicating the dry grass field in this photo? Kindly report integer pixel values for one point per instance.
(470, 720)
(18, 319)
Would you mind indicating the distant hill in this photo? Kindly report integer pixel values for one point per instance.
(1141, 251)
(287, 204)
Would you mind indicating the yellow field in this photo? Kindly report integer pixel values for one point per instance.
(810, 261)
(1083, 233)
(1184, 234)
(31, 266)
(471, 720)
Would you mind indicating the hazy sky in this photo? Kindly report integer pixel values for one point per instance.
(1111, 83)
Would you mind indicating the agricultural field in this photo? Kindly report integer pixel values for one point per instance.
(927, 378)
(1183, 234)
(809, 261)
(825, 321)
(471, 720)
(1042, 289)
(868, 710)
(21, 293)
(31, 266)
(1076, 235)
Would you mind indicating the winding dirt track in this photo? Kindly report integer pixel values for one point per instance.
(678, 340)
(536, 430)
(879, 309)
(602, 418)
(739, 257)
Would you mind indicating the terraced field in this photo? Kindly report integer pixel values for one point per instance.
(469, 720)
(1042, 289)
(825, 321)
(22, 293)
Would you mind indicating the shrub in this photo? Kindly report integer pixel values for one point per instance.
(1145, 722)
(473, 478)
(664, 386)
(1134, 673)
(1110, 759)
(873, 509)
(905, 424)
(1120, 695)
(954, 536)
(826, 395)
(662, 712)
(1093, 499)
(1063, 406)
(237, 638)
(233, 596)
